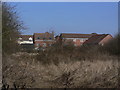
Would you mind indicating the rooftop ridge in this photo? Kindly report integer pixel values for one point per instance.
(26, 35)
(74, 33)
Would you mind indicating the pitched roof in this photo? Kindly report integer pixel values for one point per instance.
(25, 37)
(95, 39)
(73, 35)
(45, 35)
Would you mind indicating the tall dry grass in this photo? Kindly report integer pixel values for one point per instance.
(63, 67)
(23, 70)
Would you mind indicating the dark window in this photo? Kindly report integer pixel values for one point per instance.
(38, 37)
(50, 38)
(43, 38)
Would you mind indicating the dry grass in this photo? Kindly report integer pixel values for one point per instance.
(25, 71)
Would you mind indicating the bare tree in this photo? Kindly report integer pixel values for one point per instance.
(11, 26)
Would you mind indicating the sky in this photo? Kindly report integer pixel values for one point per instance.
(69, 17)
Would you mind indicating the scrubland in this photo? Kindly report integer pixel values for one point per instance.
(66, 67)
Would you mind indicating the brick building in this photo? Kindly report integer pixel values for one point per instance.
(76, 39)
(47, 39)
(43, 39)
(37, 40)
(98, 39)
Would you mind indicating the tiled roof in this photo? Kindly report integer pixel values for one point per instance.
(46, 36)
(73, 35)
(95, 39)
(25, 37)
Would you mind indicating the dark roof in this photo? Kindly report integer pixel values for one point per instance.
(45, 36)
(73, 35)
(25, 37)
(95, 39)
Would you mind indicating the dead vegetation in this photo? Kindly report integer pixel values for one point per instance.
(26, 71)
(62, 67)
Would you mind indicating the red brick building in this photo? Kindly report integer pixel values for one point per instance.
(47, 39)
(76, 39)
(43, 39)
(98, 39)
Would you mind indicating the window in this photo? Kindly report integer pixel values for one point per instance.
(75, 45)
(50, 38)
(50, 44)
(102, 44)
(44, 44)
(37, 44)
(44, 38)
(82, 40)
(74, 40)
(38, 37)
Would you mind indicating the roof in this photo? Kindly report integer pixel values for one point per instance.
(25, 37)
(45, 35)
(95, 39)
(73, 35)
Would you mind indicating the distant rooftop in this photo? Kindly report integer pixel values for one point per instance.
(73, 35)
(95, 39)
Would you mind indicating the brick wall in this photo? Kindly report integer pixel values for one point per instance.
(76, 42)
(43, 43)
(105, 40)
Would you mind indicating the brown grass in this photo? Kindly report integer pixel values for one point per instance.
(25, 71)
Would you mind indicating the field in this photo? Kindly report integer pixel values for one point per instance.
(24, 70)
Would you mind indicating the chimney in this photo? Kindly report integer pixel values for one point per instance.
(94, 33)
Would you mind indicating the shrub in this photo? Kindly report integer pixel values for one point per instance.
(70, 74)
(112, 47)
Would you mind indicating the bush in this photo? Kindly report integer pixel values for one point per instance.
(112, 47)
(24, 71)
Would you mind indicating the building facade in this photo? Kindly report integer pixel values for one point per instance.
(43, 39)
(46, 39)
(98, 39)
(37, 40)
(76, 39)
